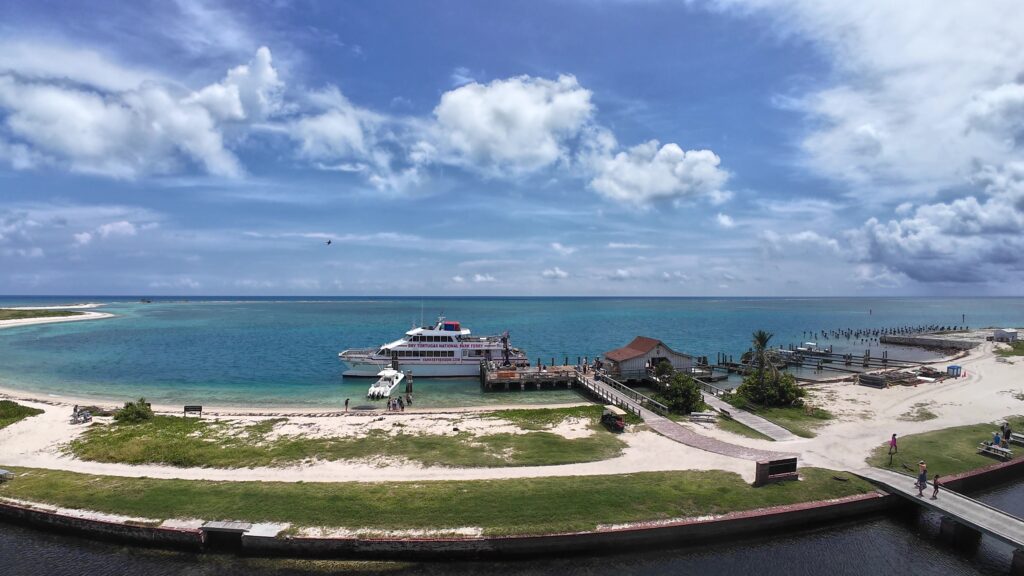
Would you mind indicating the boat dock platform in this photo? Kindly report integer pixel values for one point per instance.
(494, 377)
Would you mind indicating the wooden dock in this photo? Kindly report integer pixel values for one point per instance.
(498, 378)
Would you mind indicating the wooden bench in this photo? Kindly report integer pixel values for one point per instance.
(703, 417)
(1016, 438)
(993, 450)
(198, 410)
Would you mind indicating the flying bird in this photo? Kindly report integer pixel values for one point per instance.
(328, 242)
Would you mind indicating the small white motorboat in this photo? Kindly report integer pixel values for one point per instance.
(387, 381)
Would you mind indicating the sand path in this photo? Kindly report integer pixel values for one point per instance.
(52, 320)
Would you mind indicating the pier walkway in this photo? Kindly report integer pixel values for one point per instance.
(963, 510)
(670, 429)
(769, 429)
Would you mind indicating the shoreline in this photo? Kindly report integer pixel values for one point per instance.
(54, 319)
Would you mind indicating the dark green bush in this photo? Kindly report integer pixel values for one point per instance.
(137, 411)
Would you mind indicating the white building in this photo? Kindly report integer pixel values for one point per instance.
(1005, 335)
(631, 361)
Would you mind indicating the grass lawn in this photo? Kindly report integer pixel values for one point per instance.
(1015, 349)
(23, 314)
(947, 451)
(730, 425)
(11, 412)
(515, 506)
(188, 442)
(800, 420)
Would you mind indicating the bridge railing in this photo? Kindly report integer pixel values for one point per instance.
(640, 399)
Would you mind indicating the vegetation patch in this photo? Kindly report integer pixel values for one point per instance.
(191, 442)
(499, 507)
(547, 418)
(11, 412)
(947, 451)
(918, 413)
(26, 314)
(1014, 349)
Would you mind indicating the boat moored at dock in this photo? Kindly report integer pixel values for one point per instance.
(385, 385)
(443, 350)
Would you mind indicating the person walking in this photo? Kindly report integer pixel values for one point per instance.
(922, 477)
(893, 449)
(935, 487)
(346, 405)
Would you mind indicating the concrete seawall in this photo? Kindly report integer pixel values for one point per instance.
(161, 537)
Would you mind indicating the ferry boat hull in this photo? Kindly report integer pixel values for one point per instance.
(358, 369)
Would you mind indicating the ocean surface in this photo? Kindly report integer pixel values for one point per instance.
(283, 351)
(889, 545)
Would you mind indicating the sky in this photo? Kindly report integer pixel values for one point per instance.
(570, 147)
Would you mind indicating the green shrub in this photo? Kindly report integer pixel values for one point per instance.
(683, 395)
(138, 411)
(776, 389)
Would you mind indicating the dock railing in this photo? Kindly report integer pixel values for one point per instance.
(710, 388)
(640, 399)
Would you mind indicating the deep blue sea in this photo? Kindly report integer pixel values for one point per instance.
(283, 351)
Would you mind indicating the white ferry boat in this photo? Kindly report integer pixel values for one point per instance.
(446, 349)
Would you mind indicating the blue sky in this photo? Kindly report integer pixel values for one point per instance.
(729, 147)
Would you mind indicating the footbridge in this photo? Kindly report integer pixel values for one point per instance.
(654, 415)
(962, 517)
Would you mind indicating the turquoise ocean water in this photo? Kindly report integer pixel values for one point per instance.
(284, 351)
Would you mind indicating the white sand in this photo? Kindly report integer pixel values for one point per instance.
(866, 418)
(51, 320)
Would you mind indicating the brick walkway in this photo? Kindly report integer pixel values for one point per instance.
(678, 432)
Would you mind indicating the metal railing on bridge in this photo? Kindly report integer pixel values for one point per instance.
(639, 399)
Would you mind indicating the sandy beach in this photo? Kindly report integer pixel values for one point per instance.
(865, 419)
(84, 315)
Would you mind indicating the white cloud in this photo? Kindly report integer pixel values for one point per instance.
(33, 252)
(462, 75)
(178, 282)
(725, 221)
(478, 278)
(458, 279)
(250, 91)
(555, 273)
(83, 238)
(45, 60)
(921, 91)
(510, 126)
(649, 172)
(119, 134)
(119, 228)
(627, 246)
(620, 274)
(561, 249)
(339, 131)
(675, 277)
(803, 242)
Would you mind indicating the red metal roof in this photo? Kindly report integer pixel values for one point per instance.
(638, 347)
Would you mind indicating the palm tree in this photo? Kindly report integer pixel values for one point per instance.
(762, 355)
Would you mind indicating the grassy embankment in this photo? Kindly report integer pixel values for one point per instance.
(11, 412)
(6, 314)
(518, 506)
(800, 420)
(189, 442)
(947, 451)
(1015, 349)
